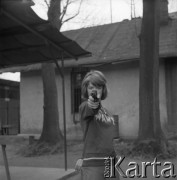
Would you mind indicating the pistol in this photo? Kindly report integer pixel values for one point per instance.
(94, 95)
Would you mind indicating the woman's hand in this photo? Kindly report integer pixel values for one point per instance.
(78, 164)
(92, 104)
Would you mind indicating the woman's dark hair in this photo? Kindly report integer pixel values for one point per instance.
(97, 79)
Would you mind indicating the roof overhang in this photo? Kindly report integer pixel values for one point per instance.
(27, 39)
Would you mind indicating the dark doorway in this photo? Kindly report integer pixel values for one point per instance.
(171, 92)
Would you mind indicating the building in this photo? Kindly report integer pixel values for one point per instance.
(115, 49)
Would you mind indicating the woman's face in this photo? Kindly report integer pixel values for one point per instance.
(91, 88)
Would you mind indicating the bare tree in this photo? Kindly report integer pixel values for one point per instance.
(51, 132)
(58, 10)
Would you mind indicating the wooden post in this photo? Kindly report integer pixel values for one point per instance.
(5, 161)
(64, 108)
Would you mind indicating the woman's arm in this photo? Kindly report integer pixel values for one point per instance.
(87, 110)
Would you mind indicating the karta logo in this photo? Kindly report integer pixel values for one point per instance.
(138, 169)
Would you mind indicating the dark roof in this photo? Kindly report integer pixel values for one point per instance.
(117, 42)
(120, 41)
(27, 39)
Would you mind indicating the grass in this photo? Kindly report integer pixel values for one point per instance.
(38, 149)
(145, 149)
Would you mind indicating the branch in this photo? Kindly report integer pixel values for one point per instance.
(64, 10)
(73, 15)
(66, 20)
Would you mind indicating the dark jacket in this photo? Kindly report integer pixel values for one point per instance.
(98, 134)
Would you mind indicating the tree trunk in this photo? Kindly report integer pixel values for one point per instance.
(51, 132)
(149, 114)
(54, 13)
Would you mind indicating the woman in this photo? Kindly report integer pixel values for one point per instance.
(99, 127)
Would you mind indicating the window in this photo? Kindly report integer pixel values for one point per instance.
(77, 76)
(9, 92)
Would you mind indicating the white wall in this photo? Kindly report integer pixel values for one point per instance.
(31, 102)
(122, 99)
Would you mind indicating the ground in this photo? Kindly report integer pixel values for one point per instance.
(74, 151)
(15, 158)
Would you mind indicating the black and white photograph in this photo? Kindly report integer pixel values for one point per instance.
(88, 89)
